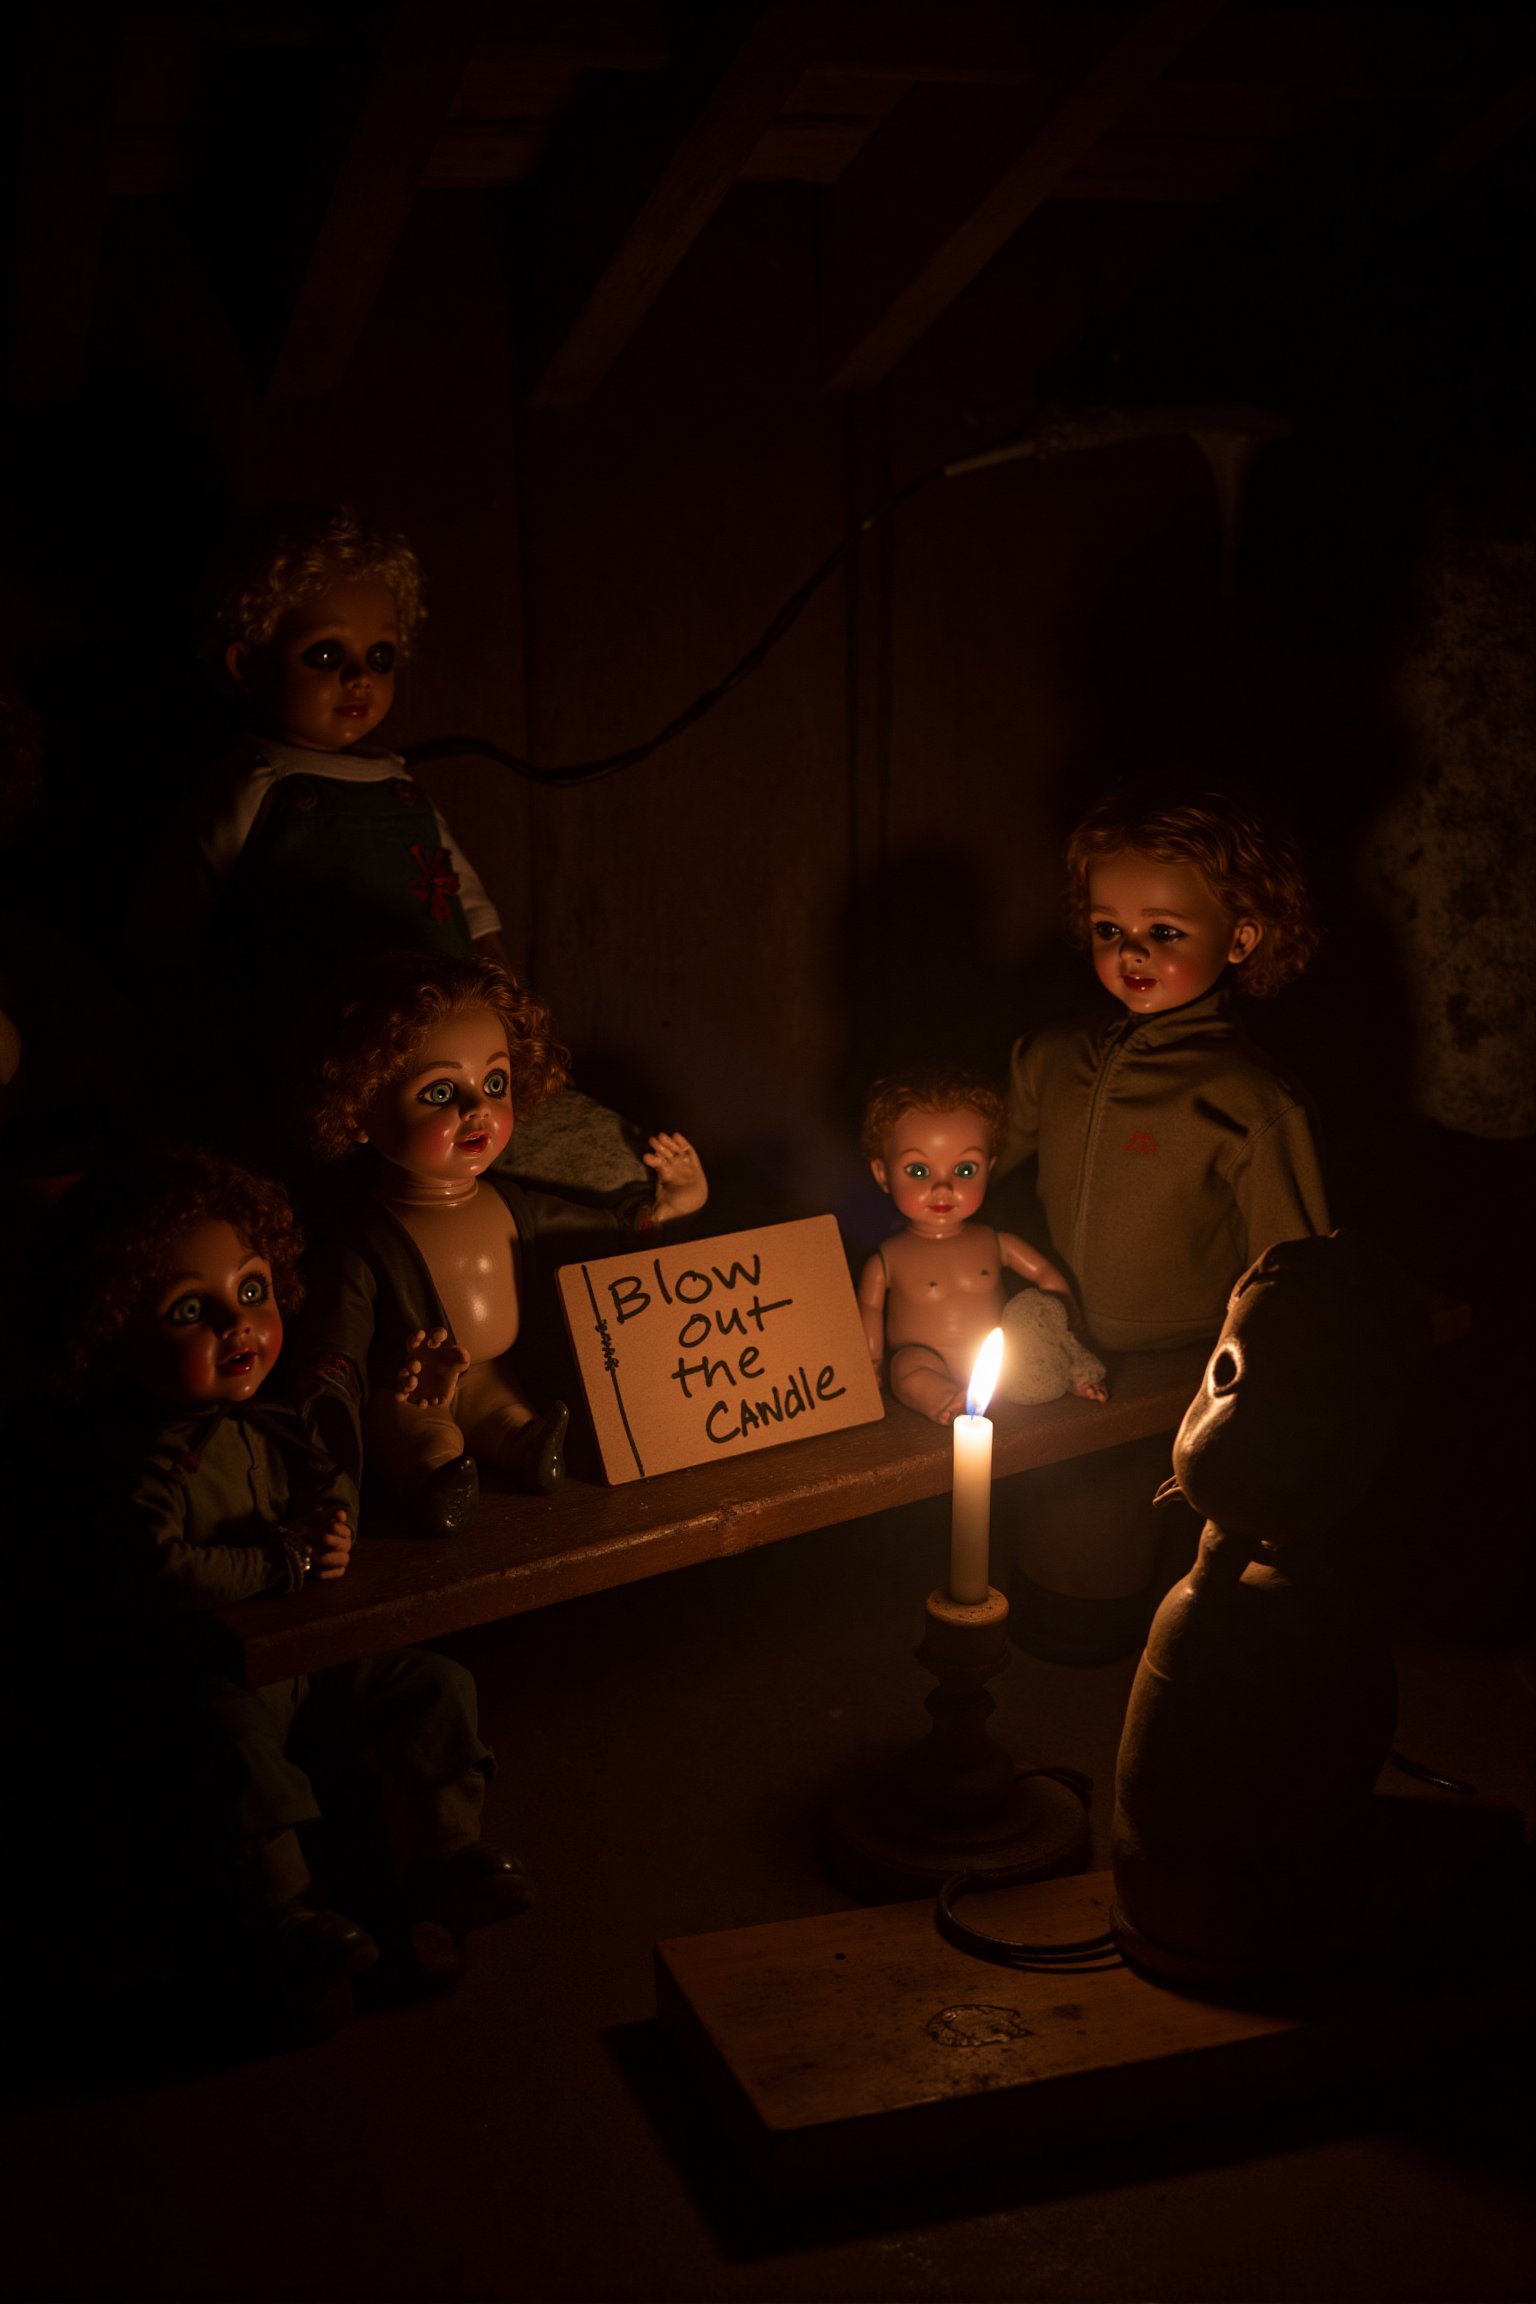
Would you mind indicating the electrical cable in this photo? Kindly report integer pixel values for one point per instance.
(1051, 435)
(593, 771)
(1084, 1957)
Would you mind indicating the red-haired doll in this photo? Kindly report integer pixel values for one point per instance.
(427, 1289)
(176, 1279)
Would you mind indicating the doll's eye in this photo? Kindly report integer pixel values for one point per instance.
(496, 1083)
(253, 1289)
(440, 1092)
(324, 656)
(1105, 931)
(1164, 932)
(380, 657)
(917, 1170)
(185, 1312)
(965, 1169)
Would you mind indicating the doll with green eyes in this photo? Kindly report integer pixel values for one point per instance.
(932, 1293)
(428, 1287)
(171, 1286)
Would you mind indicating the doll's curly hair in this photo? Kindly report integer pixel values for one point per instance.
(299, 556)
(390, 1005)
(933, 1088)
(115, 1241)
(1253, 871)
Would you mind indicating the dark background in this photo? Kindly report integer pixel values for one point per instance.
(625, 315)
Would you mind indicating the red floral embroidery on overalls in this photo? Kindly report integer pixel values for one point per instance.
(437, 883)
(1141, 1140)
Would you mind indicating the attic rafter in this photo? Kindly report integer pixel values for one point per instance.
(61, 198)
(404, 110)
(620, 227)
(953, 175)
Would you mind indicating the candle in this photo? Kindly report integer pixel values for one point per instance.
(971, 1512)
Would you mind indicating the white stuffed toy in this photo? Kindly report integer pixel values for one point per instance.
(1042, 1358)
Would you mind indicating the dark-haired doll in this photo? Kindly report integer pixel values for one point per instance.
(212, 1492)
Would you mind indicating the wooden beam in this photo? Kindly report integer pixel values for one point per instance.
(1488, 132)
(404, 110)
(630, 210)
(61, 198)
(952, 177)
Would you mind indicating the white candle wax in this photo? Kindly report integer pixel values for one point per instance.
(971, 1513)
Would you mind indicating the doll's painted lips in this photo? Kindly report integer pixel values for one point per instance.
(472, 1143)
(237, 1364)
(1139, 983)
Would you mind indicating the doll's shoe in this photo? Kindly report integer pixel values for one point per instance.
(474, 1888)
(321, 1944)
(449, 1498)
(535, 1460)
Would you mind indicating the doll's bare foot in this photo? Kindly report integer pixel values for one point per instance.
(1090, 1391)
(447, 1499)
(433, 1366)
(533, 1454)
(919, 1378)
(475, 1887)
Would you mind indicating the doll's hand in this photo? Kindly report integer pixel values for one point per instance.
(324, 1536)
(431, 1374)
(681, 1185)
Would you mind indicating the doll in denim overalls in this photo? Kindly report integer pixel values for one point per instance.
(311, 844)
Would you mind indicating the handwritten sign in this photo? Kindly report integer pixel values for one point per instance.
(713, 1348)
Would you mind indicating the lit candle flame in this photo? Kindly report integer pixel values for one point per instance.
(984, 1375)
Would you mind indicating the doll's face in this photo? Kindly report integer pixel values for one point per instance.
(212, 1331)
(935, 1168)
(327, 676)
(1159, 935)
(448, 1114)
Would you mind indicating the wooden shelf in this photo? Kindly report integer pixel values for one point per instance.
(527, 1552)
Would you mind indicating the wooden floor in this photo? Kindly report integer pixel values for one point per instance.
(527, 1552)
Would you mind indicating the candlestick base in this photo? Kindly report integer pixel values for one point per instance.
(957, 1802)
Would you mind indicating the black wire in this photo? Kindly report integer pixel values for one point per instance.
(592, 771)
(1085, 1957)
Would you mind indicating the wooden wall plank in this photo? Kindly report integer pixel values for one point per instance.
(61, 198)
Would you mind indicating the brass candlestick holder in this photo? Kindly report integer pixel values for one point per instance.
(957, 1802)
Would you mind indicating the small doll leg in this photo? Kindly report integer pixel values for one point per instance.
(917, 1375)
(499, 1425)
(420, 1453)
(417, 1713)
(271, 1796)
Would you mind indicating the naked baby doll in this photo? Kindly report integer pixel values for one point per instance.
(935, 1289)
(429, 1285)
(177, 1278)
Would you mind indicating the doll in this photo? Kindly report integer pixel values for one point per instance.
(431, 1283)
(311, 843)
(1171, 1152)
(178, 1279)
(935, 1289)
(1249, 1838)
